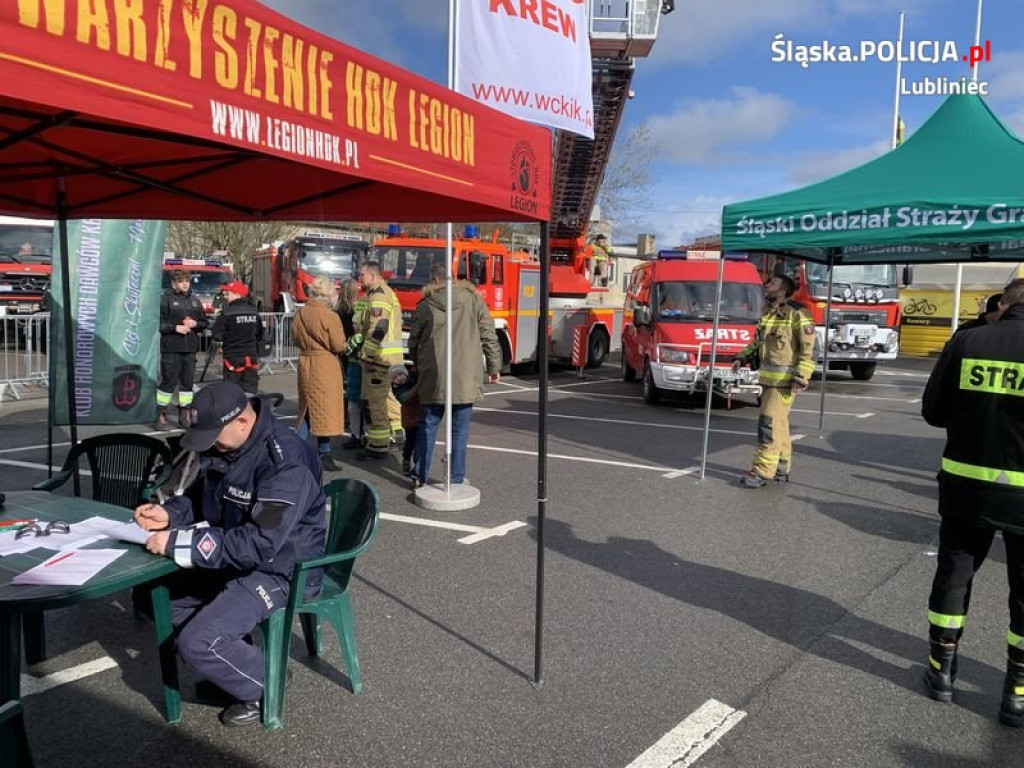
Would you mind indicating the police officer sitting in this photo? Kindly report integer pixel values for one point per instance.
(976, 392)
(240, 330)
(254, 509)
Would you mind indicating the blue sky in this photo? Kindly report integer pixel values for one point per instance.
(728, 123)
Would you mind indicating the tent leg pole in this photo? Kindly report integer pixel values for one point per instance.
(824, 347)
(542, 448)
(711, 366)
(69, 342)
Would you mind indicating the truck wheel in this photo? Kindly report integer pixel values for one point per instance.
(597, 348)
(862, 371)
(506, 353)
(628, 371)
(651, 392)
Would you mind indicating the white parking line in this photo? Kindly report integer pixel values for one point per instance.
(684, 744)
(32, 685)
(909, 401)
(627, 422)
(867, 415)
(478, 533)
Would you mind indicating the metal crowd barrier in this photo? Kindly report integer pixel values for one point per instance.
(25, 366)
(23, 344)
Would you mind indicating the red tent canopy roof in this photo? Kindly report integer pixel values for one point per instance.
(229, 111)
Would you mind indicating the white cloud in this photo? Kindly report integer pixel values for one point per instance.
(704, 132)
(1015, 122)
(811, 167)
(681, 222)
(1005, 75)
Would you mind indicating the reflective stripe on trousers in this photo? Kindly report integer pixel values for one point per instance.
(773, 438)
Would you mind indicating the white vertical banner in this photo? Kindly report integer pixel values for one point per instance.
(530, 60)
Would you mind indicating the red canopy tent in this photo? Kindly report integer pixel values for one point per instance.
(230, 111)
(227, 110)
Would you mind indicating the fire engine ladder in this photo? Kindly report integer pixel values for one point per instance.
(620, 30)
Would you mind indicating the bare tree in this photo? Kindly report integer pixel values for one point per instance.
(627, 178)
(196, 239)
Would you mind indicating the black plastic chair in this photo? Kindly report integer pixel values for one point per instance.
(355, 513)
(126, 468)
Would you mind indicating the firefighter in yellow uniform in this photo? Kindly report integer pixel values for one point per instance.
(783, 353)
(381, 329)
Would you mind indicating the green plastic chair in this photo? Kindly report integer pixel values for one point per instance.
(126, 468)
(354, 513)
(13, 740)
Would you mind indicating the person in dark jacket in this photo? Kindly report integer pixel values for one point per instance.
(239, 328)
(182, 319)
(976, 392)
(253, 510)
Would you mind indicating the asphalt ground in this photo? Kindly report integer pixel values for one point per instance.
(778, 627)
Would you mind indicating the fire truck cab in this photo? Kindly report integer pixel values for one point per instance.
(208, 275)
(281, 273)
(25, 264)
(669, 325)
(508, 281)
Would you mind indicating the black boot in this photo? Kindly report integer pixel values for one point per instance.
(1012, 711)
(184, 417)
(161, 424)
(940, 673)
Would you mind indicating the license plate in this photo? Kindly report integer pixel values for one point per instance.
(6, 288)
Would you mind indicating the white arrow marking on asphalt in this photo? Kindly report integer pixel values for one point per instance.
(478, 533)
(33, 685)
(684, 744)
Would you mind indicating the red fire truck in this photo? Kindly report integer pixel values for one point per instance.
(26, 247)
(865, 320)
(670, 306)
(208, 275)
(280, 273)
(509, 282)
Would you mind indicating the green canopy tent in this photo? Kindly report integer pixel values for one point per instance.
(952, 192)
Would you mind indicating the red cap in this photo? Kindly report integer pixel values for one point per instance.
(237, 287)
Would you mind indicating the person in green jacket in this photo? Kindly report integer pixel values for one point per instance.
(472, 332)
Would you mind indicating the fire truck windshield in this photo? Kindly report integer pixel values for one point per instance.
(878, 275)
(203, 283)
(695, 302)
(408, 266)
(31, 245)
(329, 262)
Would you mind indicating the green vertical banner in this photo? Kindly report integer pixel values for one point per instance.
(114, 271)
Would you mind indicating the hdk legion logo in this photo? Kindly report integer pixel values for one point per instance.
(523, 171)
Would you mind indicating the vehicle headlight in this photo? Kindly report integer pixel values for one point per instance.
(847, 293)
(669, 355)
(859, 294)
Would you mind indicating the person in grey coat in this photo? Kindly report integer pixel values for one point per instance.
(472, 332)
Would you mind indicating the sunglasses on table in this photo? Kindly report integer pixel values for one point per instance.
(35, 529)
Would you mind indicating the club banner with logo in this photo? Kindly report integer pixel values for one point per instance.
(115, 271)
(530, 60)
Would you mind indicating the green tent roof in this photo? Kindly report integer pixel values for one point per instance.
(953, 191)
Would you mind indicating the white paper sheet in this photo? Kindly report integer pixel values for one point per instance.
(128, 532)
(11, 546)
(70, 568)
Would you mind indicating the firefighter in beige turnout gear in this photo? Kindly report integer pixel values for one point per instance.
(783, 353)
(381, 331)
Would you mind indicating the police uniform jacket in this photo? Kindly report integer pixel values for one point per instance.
(381, 329)
(784, 347)
(260, 508)
(174, 308)
(976, 392)
(240, 329)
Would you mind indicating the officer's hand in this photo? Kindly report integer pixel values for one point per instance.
(181, 329)
(190, 322)
(157, 543)
(736, 365)
(151, 517)
(493, 378)
(799, 385)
